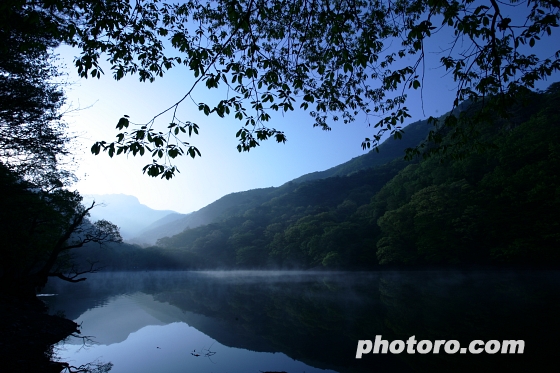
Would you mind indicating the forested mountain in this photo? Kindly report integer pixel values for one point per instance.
(286, 222)
(496, 205)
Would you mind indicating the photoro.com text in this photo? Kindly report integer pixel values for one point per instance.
(412, 346)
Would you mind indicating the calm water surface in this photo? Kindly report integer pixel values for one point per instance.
(294, 322)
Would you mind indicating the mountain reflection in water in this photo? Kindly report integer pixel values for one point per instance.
(254, 321)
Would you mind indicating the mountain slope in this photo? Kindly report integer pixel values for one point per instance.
(165, 226)
(390, 149)
(229, 205)
(497, 204)
(238, 203)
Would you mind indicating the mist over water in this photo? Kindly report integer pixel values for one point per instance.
(296, 321)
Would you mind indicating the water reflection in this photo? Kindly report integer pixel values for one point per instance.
(259, 321)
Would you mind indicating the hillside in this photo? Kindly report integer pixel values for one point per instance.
(236, 204)
(493, 205)
(229, 205)
(164, 226)
(390, 149)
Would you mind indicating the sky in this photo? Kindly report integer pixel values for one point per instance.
(221, 169)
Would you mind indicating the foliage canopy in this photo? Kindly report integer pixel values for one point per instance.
(33, 135)
(335, 59)
(39, 230)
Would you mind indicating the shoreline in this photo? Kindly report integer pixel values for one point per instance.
(28, 333)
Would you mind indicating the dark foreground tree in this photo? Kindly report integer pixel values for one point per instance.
(33, 136)
(40, 219)
(39, 228)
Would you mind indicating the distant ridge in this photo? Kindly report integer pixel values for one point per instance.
(125, 211)
(228, 205)
(164, 226)
(390, 149)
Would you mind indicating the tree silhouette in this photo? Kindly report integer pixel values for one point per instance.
(335, 59)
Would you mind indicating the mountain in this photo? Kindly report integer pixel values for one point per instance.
(390, 149)
(163, 227)
(229, 205)
(126, 212)
(236, 204)
(489, 200)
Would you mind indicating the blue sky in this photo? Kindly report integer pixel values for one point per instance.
(221, 169)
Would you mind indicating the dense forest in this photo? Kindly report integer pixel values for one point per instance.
(494, 201)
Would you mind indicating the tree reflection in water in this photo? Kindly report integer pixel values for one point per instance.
(318, 318)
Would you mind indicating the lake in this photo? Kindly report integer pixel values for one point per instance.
(295, 322)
